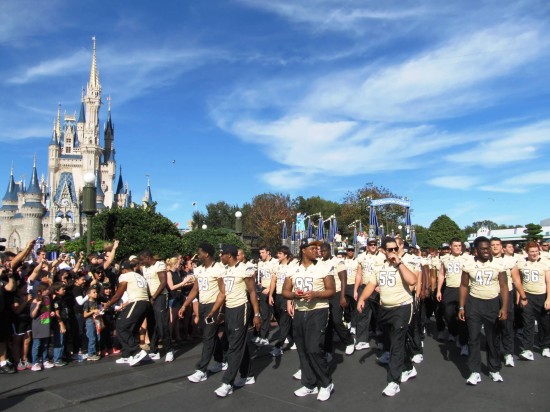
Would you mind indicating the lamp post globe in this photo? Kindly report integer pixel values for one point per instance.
(58, 221)
(204, 227)
(239, 224)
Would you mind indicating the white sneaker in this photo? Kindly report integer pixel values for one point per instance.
(349, 351)
(496, 377)
(352, 331)
(362, 345)
(198, 376)
(527, 355)
(240, 382)
(224, 390)
(293, 347)
(154, 356)
(384, 359)
(392, 389)
(474, 379)
(546, 353)
(509, 361)
(255, 339)
(137, 358)
(418, 358)
(262, 342)
(303, 391)
(169, 356)
(298, 375)
(324, 393)
(406, 375)
(48, 365)
(328, 357)
(465, 350)
(276, 352)
(216, 367)
(287, 341)
(123, 360)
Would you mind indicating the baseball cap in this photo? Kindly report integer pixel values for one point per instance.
(444, 245)
(341, 252)
(371, 240)
(310, 242)
(350, 247)
(64, 266)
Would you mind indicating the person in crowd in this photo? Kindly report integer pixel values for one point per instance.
(60, 323)
(92, 316)
(41, 327)
(267, 273)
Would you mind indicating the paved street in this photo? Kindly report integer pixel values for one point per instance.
(440, 385)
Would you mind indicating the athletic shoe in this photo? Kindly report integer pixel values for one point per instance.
(352, 331)
(474, 379)
(527, 355)
(293, 347)
(406, 375)
(328, 357)
(84, 356)
(198, 376)
(509, 361)
(137, 358)
(298, 375)
(240, 382)
(384, 359)
(287, 341)
(362, 345)
(349, 351)
(324, 393)
(217, 367)
(93, 358)
(48, 365)
(169, 356)
(303, 391)
(418, 358)
(154, 356)
(36, 367)
(465, 350)
(123, 360)
(116, 351)
(28, 364)
(60, 363)
(276, 352)
(496, 377)
(546, 353)
(224, 390)
(392, 389)
(21, 366)
(262, 342)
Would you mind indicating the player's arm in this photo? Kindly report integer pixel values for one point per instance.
(343, 278)
(516, 279)
(287, 289)
(220, 299)
(367, 292)
(192, 295)
(463, 294)
(503, 282)
(251, 287)
(440, 280)
(547, 278)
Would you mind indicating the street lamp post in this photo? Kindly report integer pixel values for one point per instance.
(58, 221)
(89, 193)
(204, 226)
(239, 224)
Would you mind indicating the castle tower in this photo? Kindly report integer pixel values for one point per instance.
(147, 200)
(8, 211)
(33, 210)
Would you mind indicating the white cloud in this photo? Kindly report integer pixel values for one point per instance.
(455, 182)
(521, 183)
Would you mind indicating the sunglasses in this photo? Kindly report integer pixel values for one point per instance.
(392, 249)
(371, 244)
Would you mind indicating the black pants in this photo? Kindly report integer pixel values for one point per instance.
(158, 324)
(211, 344)
(451, 303)
(336, 324)
(283, 319)
(415, 329)
(505, 336)
(128, 324)
(363, 320)
(265, 311)
(80, 340)
(350, 313)
(238, 356)
(395, 323)
(309, 334)
(535, 311)
(482, 312)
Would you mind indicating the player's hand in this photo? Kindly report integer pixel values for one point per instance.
(502, 314)
(308, 296)
(438, 296)
(181, 311)
(271, 300)
(360, 305)
(461, 315)
(257, 322)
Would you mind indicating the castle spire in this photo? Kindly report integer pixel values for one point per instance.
(58, 123)
(120, 184)
(11, 191)
(148, 198)
(94, 73)
(34, 186)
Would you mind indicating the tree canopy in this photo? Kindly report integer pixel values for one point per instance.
(442, 230)
(532, 232)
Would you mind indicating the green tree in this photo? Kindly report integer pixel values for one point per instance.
(216, 237)
(442, 230)
(532, 232)
(218, 215)
(356, 207)
(316, 204)
(421, 236)
(137, 229)
(261, 217)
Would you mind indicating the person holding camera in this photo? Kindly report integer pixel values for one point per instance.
(210, 289)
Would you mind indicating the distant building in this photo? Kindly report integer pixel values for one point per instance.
(515, 234)
(29, 212)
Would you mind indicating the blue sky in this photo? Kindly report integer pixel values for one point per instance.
(444, 102)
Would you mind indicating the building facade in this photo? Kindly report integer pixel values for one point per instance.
(76, 148)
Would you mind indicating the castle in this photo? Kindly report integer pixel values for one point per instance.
(29, 212)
